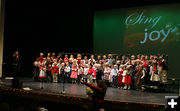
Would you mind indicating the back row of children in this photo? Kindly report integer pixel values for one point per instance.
(124, 72)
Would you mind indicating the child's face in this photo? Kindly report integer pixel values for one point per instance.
(71, 56)
(67, 64)
(133, 62)
(138, 56)
(118, 62)
(41, 54)
(92, 56)
(115, 66)
(117, 57)
(133, 57)
(120, 67)
(99, 57)
(49, 54)
(78, 55)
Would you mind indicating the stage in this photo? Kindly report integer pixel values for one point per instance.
(79, 91)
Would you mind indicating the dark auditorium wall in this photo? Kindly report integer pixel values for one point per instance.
(33, 26)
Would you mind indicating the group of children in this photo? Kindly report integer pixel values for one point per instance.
(120, 71)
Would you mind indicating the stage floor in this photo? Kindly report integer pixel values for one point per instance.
(113, 94)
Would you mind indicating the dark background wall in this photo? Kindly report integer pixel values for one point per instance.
(36, 26)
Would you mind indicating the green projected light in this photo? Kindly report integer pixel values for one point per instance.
(145, 30)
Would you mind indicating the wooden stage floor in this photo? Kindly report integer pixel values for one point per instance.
(113, 94)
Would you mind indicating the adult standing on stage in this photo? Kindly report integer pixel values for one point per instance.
(16, 68)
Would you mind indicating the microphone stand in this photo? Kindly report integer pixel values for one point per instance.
(63, 92)
(42, 83)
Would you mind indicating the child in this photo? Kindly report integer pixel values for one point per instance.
(55, 72)
(42, 73)
(67, 70)
(124, 74)
(120, 83)
(154, 72)
(90, 74)
(40, 59)
(53, 56)
(107, 71)
(49, 55)
(74, 73)
(128, 77)
(71, 57)
(113, 76)
(86, 69)
(80, 73)
(78, 58)
(99, 72)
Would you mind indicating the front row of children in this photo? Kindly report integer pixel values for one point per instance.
(67, 72)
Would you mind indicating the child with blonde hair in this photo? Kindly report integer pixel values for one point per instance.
(113, 76)
(74, 72)
(107, 72)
